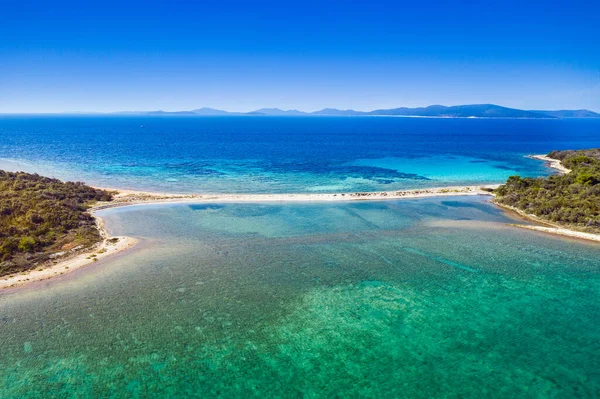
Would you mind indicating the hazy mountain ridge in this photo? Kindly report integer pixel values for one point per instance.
(277, 112)
(437, 111)
(335, 111)
(462, 111)
(565, 113)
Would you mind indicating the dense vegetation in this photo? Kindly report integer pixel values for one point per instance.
(572, 199)
(39, 216)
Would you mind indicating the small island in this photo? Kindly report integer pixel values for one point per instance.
(568, 200)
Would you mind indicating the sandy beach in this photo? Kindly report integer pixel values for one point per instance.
(72, 260)
(552, 163)
(562, 232)
(132, 197)
(548, 227)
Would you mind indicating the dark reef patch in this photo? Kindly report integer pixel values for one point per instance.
(205, 207)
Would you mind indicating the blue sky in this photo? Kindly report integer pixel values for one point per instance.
(109, 56)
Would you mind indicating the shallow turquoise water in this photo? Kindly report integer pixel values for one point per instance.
(423, 298)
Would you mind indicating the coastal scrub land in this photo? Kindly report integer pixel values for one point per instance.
(571, 199)
(43, 218)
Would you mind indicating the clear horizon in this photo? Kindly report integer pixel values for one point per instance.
(64, 57)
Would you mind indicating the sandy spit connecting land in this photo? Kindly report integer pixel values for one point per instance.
(112, 245)
(131, 197)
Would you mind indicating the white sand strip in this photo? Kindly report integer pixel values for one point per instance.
(552, 163)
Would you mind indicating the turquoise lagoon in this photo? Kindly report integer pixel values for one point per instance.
(408, 299)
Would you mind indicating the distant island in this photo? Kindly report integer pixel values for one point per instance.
(432, 111)
(571, 199)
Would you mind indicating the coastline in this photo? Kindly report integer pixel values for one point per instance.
(545, 226)
(109, 245)
(562, 231)
(551, 163)
(122, 197)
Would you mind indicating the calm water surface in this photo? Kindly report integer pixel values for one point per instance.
(284, 154)
(427, 298)
(414, 298)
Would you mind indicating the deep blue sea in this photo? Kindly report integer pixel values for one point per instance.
(284, 154)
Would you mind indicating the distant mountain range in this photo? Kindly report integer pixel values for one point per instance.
(565, 113)
(438, 111)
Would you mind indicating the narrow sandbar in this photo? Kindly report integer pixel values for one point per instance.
(132, 197)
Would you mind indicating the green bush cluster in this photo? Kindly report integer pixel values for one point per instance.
(572, 199)
(39, 215)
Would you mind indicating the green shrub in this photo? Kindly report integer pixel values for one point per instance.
(26, 244)
(39, 215)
